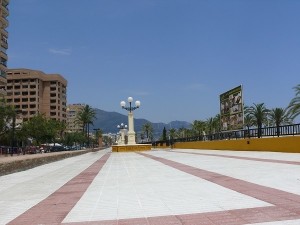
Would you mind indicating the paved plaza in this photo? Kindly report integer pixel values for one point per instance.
(163, 187)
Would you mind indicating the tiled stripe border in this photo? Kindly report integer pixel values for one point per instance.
(286, 205)
(55, 208)
(241, 157)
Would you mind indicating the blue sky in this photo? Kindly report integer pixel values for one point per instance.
(175, 56)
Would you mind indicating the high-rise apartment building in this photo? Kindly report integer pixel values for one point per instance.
(4, 35)
(33, 92)
(73, 125)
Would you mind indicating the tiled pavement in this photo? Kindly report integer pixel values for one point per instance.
(157, 187)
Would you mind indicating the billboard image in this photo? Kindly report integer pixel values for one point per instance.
(231, 109)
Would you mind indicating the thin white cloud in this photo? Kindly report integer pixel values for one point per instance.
(65, 51)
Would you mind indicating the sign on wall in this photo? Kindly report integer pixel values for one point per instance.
(231, 109)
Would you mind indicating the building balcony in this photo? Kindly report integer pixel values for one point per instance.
(3, 55)
(5, 10)
(3, 62)
(4, 32)
(5, 2)
(4, 45)
(4, 22)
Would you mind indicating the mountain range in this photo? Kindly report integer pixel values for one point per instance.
(108, 121)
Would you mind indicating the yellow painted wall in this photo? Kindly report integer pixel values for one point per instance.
(274, 144)
(131, 148)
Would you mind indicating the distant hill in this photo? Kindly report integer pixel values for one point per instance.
(108, 121)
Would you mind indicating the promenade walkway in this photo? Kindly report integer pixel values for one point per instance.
(163, 187)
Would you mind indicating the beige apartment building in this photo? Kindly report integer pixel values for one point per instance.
(4, 35)
(32, 92)
(73, 124)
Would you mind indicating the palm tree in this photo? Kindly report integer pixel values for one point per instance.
(279, 116)
(259, 114)
(248, 122)
(182, 132)
(294, 106)
(198, 127)
(148, 129)
(217, 123)
(86, 117)
(172, 133)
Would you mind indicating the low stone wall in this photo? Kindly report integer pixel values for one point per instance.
(13, 164)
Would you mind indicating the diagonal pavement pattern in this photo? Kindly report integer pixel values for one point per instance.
(157, 187)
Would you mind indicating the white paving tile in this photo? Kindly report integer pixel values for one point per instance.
(284, 177)
(21, 191)
(143, 187)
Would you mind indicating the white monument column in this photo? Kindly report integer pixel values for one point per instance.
(131, 133)
(130, 109)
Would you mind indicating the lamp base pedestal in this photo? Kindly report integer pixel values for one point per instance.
(131, 148)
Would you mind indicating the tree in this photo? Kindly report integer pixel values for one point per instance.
(71, 139)
(210, 125)
(164, 134)
(217, 123)
(279, 116)
(294, 106)
(259, 114)
(248, 122)
(41, 129)
(6, 114)
(198, 127)
(86, 117)
(148, 130)
(172, 133)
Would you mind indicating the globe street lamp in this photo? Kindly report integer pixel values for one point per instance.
(122, 129)
(130, 109)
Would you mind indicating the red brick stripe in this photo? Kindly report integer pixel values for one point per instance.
(59, 204)
(287, 204)
(241, 157)
(55, 208)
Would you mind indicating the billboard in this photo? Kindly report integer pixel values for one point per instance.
(231, 109)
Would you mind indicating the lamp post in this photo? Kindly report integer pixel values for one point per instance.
(130, 109)
(122, 129)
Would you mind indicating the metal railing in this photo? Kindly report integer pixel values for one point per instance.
(286, 130)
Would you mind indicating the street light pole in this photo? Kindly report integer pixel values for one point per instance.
(130, 109)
